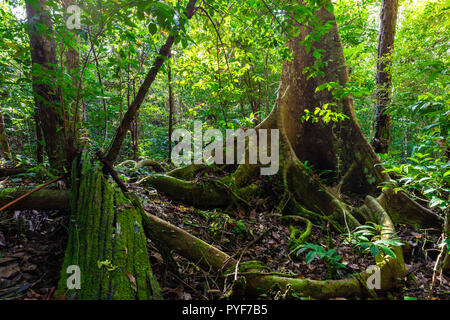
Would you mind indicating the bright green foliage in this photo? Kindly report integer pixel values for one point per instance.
(370, 238)
(226, 66)
(330, 257)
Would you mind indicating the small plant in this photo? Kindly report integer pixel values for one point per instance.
(370, 238)
(106, 264)
(330, 257)
(239, 227)
(324, 114)
(427, 175)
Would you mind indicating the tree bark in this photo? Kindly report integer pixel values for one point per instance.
(6, 150)
(169, 79)
(382, 123)
(39, 139)
(43, 58)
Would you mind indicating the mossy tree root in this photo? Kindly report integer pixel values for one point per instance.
(211, 193)
(404, 210)
(149, 163)
(106, 241)
(297, 237)
(143, 163)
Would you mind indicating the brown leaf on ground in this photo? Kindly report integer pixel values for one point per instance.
(9, 270)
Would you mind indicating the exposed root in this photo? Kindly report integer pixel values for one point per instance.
(297, 237)
(143, 163)
(404, 210)
(149, 163)
(203, 194)
(192, 248)
(253, 282)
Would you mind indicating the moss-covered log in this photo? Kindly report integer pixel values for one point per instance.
(106, 241)
(6, 172)
(44, 199)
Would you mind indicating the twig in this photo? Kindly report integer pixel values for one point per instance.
(108, 167)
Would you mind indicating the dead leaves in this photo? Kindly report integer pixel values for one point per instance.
(132, 281)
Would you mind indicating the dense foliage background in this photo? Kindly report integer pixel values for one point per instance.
(225, 72)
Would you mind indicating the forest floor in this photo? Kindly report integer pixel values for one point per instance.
(32, 245)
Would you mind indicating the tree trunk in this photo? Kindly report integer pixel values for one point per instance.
(169, 79)
(43, 57)
(39, 138)
(70, 101)
(382, 123)
(106, 241)
(337, 150)
(6, 150)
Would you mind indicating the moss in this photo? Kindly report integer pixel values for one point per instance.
(205, 193)
(319, 289)
(247, 265)
(297, 237)
(98, 211)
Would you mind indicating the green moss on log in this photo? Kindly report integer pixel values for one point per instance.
(107, 242)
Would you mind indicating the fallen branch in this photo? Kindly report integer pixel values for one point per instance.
(6, 172)
(44, 199)
(30, 192)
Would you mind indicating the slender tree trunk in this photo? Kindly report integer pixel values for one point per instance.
(169, 79)
(135, 127)
(72, 65)
(43, 57)
(6, 150)
(39, 137)
(382, 123)
(135, 137)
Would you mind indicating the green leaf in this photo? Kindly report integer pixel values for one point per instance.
(374, 250)
(310, 257)
(152, 28)
(388, 251)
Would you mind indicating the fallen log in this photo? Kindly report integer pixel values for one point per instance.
(6, 172)
(107, 244)
(45, 199)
